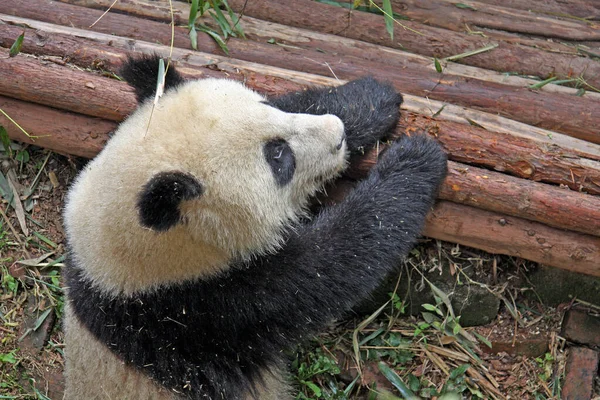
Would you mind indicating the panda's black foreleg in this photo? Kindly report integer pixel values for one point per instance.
(368, 108)
(328, 266)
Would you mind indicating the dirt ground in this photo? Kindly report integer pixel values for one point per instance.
(430, 354)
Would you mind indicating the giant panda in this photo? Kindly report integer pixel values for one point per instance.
(193, 262)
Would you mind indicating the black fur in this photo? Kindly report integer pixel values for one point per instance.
(281, 159)
(158, 202)
(142, 74)
(369, 109)
(214, 335)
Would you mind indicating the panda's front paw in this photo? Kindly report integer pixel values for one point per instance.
(413, 155)
(373, 111)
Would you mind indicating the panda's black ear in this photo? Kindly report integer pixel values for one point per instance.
(158, 202)
(142, 74)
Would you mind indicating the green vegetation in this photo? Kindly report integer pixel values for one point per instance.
(228, 25)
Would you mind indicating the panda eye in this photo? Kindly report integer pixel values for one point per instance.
(281, 159)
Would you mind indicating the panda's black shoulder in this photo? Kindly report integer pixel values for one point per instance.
(141, 73)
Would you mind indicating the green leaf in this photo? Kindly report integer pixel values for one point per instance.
(9, 357)
(397, 382)
(222, 21)
(465, 6)
(41, 319)
(215, 37)
(438, 65)
(22, 156)
(459, 371)
(193, 37)
(193, 13)
(438, 112)
(237, 27)
(483, 339)
(316, 390)
(543, 83)
(430, 307)
(16, 47)
(389, 17)
(45, 240)
(413, 383)
(5, 140)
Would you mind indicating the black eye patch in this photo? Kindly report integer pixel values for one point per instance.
(281, 159)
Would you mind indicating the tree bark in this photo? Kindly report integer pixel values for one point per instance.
(445, 14)
(40, 82)
(61, 131)
(501, 234)
(526, 158)
(589, 9)
(513, 155)
(540, 202)
(493, 191)
(548, 111)
(430, 41)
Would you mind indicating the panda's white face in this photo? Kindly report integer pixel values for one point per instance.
(246, 171)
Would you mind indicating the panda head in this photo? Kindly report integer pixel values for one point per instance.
(209, 174)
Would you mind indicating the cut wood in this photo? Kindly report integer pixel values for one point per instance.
(74, 45)
(503, 152)
(445, 14)
(36, 81)
(553, 112)
(587, 9)
(430, 41)
(61, 131)
(571, 210)
(494, 191)
(538, 159)
(501, 234)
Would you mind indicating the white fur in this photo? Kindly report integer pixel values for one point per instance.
(214, 130)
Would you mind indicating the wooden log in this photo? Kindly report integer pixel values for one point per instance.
(74, 45)
(517, 156)
(494, 191)
(501, 234)
(547, 111)
(61, 131)
(536, 158)
(490, 195)
(36, 81)
(430, 41)
(587, 9)
(445, 14)
(286, 36)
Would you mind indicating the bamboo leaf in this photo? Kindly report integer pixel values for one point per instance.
(193, 13)
(388, 16)
(16, 47)
(438, 65)
(194, 38)
(395, 380)
(215, 37)
(543, 83)
(465, 6)
(5, 140)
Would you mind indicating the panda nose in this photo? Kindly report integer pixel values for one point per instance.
(341, 143)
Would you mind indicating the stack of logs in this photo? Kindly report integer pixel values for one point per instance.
(524, 175)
